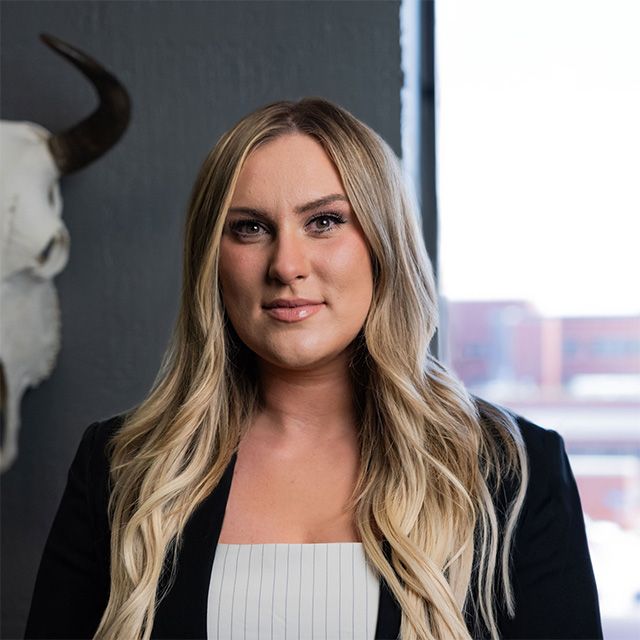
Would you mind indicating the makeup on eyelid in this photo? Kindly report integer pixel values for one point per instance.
(236, 226)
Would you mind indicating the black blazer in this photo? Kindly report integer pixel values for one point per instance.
(555, 592)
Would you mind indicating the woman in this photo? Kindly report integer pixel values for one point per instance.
(299, 416)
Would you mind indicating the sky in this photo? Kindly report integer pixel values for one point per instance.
(538, 153)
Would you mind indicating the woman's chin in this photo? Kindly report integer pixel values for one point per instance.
(301, 360)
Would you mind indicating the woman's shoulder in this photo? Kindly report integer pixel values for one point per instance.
(548, 470)
(99, 433)
(550, 484)
(91, 462)
(546, 455)
(76, 559)
(539, 442)
(97, 437)
(551, 565)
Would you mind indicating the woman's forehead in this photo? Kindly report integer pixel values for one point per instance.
(292, 168)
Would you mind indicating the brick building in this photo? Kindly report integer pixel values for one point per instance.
(510, 341)
(580, 376)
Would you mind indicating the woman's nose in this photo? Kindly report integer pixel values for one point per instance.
(289, 260)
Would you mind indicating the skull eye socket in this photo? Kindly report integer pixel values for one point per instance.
(53, 196)
(53, 257)
(43, 256)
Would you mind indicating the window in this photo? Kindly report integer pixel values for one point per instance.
(537, 181)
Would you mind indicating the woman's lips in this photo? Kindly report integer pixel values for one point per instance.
(292, 310)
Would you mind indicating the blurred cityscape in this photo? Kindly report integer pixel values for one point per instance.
(581, 377)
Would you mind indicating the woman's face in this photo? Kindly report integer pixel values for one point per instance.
(295, 269)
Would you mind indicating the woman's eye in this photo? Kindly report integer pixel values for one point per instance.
(247, 228)
(325, 223)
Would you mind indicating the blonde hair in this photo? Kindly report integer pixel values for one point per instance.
(432, 457)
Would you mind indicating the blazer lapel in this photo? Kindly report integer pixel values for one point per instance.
(182, 613)
(389, 614)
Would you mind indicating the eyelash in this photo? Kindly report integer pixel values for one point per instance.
(237, 226)
(336, 217)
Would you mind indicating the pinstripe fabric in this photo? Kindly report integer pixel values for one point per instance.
(292, 592)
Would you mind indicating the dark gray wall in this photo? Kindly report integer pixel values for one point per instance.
(192, 69)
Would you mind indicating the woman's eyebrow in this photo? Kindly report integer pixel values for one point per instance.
(321, 202)
(248, 211)
(308, 206)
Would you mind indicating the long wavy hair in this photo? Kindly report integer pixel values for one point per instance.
(432, 458)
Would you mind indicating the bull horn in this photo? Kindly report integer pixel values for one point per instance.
(92, 137)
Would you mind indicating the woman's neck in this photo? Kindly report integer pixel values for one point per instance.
(307, 404)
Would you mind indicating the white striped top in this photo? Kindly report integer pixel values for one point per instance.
(292, 592)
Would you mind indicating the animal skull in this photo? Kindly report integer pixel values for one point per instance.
(34, 242)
